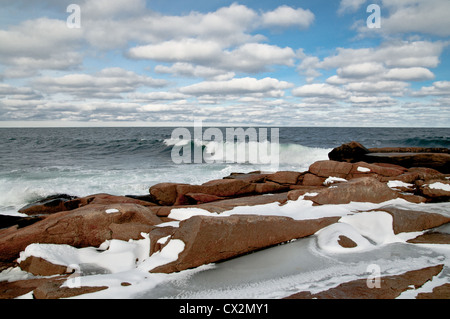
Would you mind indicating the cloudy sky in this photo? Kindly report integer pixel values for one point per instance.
(265, 63)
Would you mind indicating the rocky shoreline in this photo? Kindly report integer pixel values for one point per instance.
(353, 173)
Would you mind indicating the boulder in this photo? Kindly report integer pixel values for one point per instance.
(219, 187)
(270, 187)
(362, 169)
(330, 168)
(312, 180)
(365, 189)
(41, 267)
(87, 226)
(349, 152)
(211, 239)
(284, 177)
(164, 193)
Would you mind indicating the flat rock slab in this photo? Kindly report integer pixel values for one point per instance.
(211, 239)
(390, 286)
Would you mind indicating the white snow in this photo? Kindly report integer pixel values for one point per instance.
(397, 184)
(363, 169)
(441, 186)
(327, 238)
(331, 180)
(167, 255)
(111, 211)
(362, 228)
(186, 213)
(113, 255)
(377, 226)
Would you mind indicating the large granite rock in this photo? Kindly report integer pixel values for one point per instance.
(365, 189)
(211, 239)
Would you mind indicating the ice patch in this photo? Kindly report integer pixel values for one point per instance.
(363, 169)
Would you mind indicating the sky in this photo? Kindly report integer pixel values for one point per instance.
(226, 63)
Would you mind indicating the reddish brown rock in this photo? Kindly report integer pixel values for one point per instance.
(199, 198)
(226, 204)
(379, 169)
(211, 239)
(82, 227)
(330, 168)
(390, 286)
(164, 193)
(412, 221)
(416, 199)
(284, 177)
(366, 189)
(52, 290)
(107, 199)
(252, 177)
(296, 193)
(346, 242)
(219, 187)
(270, 187)
(440, 292)
(14, 289)
(41, 267)
(43, 288)
(431, 238)
(312, 180)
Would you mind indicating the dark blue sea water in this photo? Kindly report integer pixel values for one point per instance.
(38, 162)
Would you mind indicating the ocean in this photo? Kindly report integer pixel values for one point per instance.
(39, 162)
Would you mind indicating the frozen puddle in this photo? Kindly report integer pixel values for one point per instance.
(283, 270)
